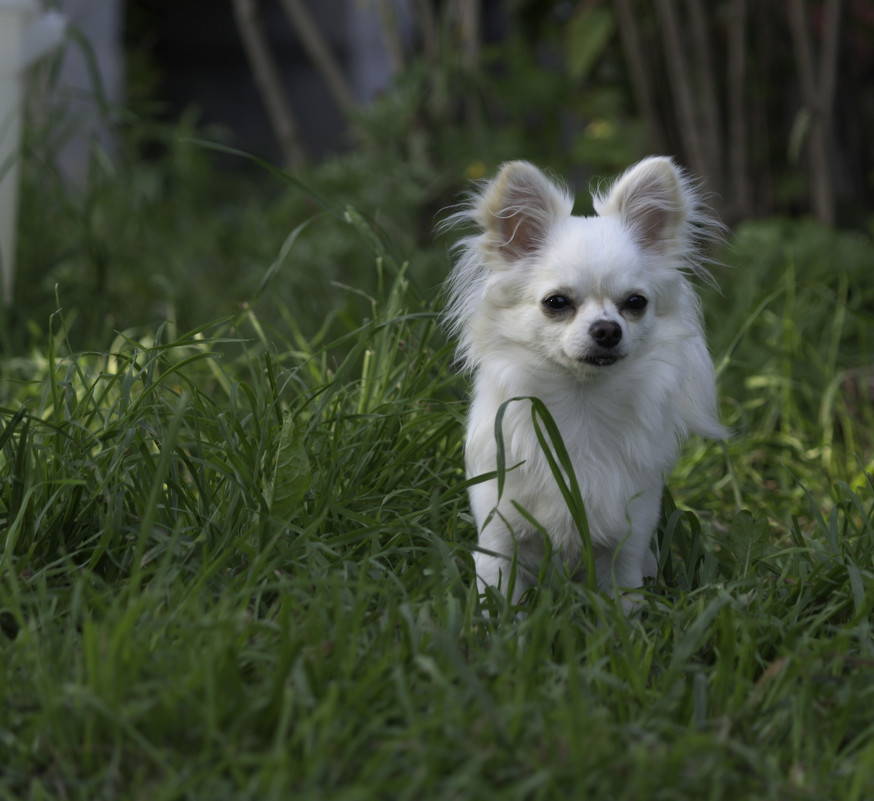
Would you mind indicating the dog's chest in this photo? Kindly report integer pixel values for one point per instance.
(619, 452)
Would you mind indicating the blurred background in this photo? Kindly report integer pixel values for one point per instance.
(147, 192)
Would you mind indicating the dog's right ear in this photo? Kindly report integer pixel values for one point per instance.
(518, 208)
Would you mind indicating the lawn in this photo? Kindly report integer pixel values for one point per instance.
(235, 554)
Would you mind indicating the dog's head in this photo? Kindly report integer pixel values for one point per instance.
(584, 292)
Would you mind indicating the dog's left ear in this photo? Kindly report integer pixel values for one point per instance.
(654, 199)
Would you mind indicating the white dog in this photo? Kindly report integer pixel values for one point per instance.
(596, 317)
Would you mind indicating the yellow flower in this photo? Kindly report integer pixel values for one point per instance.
(599, 129)
(476, 169)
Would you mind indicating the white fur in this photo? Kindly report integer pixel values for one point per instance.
(624, 385)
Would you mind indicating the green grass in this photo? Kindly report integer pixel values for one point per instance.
(236, 562)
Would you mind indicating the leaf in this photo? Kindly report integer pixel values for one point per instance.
(292, 475)
(279, 260)
(588, 36)
(560, 465)
(562, 469)
(696, 636)
(749, 540)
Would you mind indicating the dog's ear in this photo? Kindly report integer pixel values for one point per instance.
(654, 199)
(518, 208)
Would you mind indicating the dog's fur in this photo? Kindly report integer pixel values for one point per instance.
(597, 318)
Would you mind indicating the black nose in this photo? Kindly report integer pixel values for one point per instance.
(606, 333)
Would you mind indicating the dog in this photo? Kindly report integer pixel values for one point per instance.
(597, 317)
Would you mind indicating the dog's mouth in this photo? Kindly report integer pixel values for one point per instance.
(601, 359)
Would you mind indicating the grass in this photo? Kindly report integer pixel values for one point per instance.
(236, 562)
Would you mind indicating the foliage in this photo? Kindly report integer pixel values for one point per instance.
(235, 549)
(237, 561)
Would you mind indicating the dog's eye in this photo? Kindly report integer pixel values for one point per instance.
(557, 303)
(635, 303)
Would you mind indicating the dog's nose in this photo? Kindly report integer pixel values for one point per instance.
(606, 333)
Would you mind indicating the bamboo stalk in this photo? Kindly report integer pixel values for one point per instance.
(678, 72)
(640, 73)
(391, 32)
(709, 122)
(468, 23)
(268, 81)
(319, 51)
(818, 96)
(741, 200)
(427, 29)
